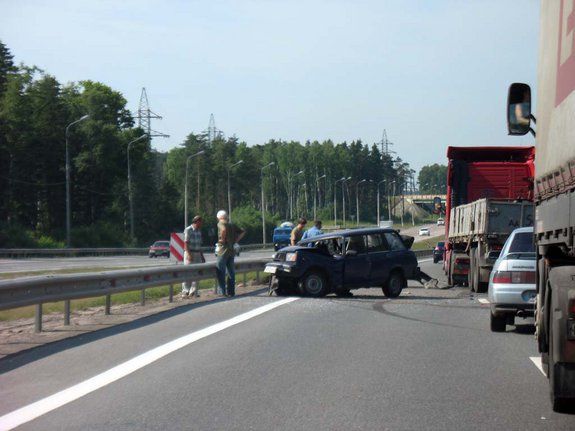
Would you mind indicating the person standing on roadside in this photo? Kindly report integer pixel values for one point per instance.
(229, 235)
(315, 230)
(297, 232)
(192, 254)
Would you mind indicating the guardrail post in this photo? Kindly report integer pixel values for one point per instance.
(67, 312)
(143, 297)
(38, 318)
(245, 279)
(171, 293)
(108, 305)
(257, 277)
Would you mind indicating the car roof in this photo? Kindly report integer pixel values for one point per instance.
(349, 232)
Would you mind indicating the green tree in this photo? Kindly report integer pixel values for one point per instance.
(6, 67)
(432, 179)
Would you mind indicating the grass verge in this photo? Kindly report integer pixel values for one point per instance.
(152, 293)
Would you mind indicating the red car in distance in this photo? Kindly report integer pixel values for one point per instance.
(159, 248)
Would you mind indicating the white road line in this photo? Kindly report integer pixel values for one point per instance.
(41, 407)
(537, 361)
(483, 300)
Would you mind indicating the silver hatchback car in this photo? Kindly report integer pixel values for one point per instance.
(512, 281)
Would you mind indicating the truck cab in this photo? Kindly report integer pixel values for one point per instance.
(281, 235)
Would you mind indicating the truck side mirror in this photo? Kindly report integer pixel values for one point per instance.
(519, 109)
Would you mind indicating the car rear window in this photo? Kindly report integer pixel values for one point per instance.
(394, 241)
(522, 242)
(375, 243)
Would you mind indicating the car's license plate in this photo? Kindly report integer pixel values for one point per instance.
(270, 269)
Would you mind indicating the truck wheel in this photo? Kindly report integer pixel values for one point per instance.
(561, 378)
(541, 331)
(471, 276)
(450, 278)
(498, 323)
(559, 404)
(394, 285)
(313, 283)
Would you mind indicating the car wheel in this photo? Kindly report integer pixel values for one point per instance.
(498, 323)
(394, 285)
(313, 283)
(435, 260)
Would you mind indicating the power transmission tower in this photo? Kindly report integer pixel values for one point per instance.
(213, 132)
(385, 145)
(145, 116)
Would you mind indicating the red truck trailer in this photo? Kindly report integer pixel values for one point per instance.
(498, 174)
(554, 193)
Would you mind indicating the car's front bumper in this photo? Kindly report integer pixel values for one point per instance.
(281, 270)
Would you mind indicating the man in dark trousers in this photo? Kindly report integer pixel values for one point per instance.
(229, 235)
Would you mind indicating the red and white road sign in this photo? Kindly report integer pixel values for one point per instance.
(177, 246)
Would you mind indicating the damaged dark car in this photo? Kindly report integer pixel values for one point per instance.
(342, 261)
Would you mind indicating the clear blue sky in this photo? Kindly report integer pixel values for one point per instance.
(432, 73)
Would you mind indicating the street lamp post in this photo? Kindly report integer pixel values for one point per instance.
(304, 185)
(263, 204)
(229, 195)
(130, 195)
(335, 201)
(357, 199)
(378, 216)
(315, 196)
(290, 193)
(186, 188)
(343, 198)
(68, 212)
(389, 197)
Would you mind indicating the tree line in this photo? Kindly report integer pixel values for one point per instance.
(39, 121)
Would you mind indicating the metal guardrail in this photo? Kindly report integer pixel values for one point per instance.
(77, 252)
(54, 288)
(70, 252)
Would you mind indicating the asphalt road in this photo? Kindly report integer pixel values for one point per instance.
(424, 361)
(95, 263)
(98, 262)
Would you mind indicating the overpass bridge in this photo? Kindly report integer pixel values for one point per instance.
(417, 205)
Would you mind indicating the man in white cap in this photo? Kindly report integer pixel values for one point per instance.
(228, 236)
